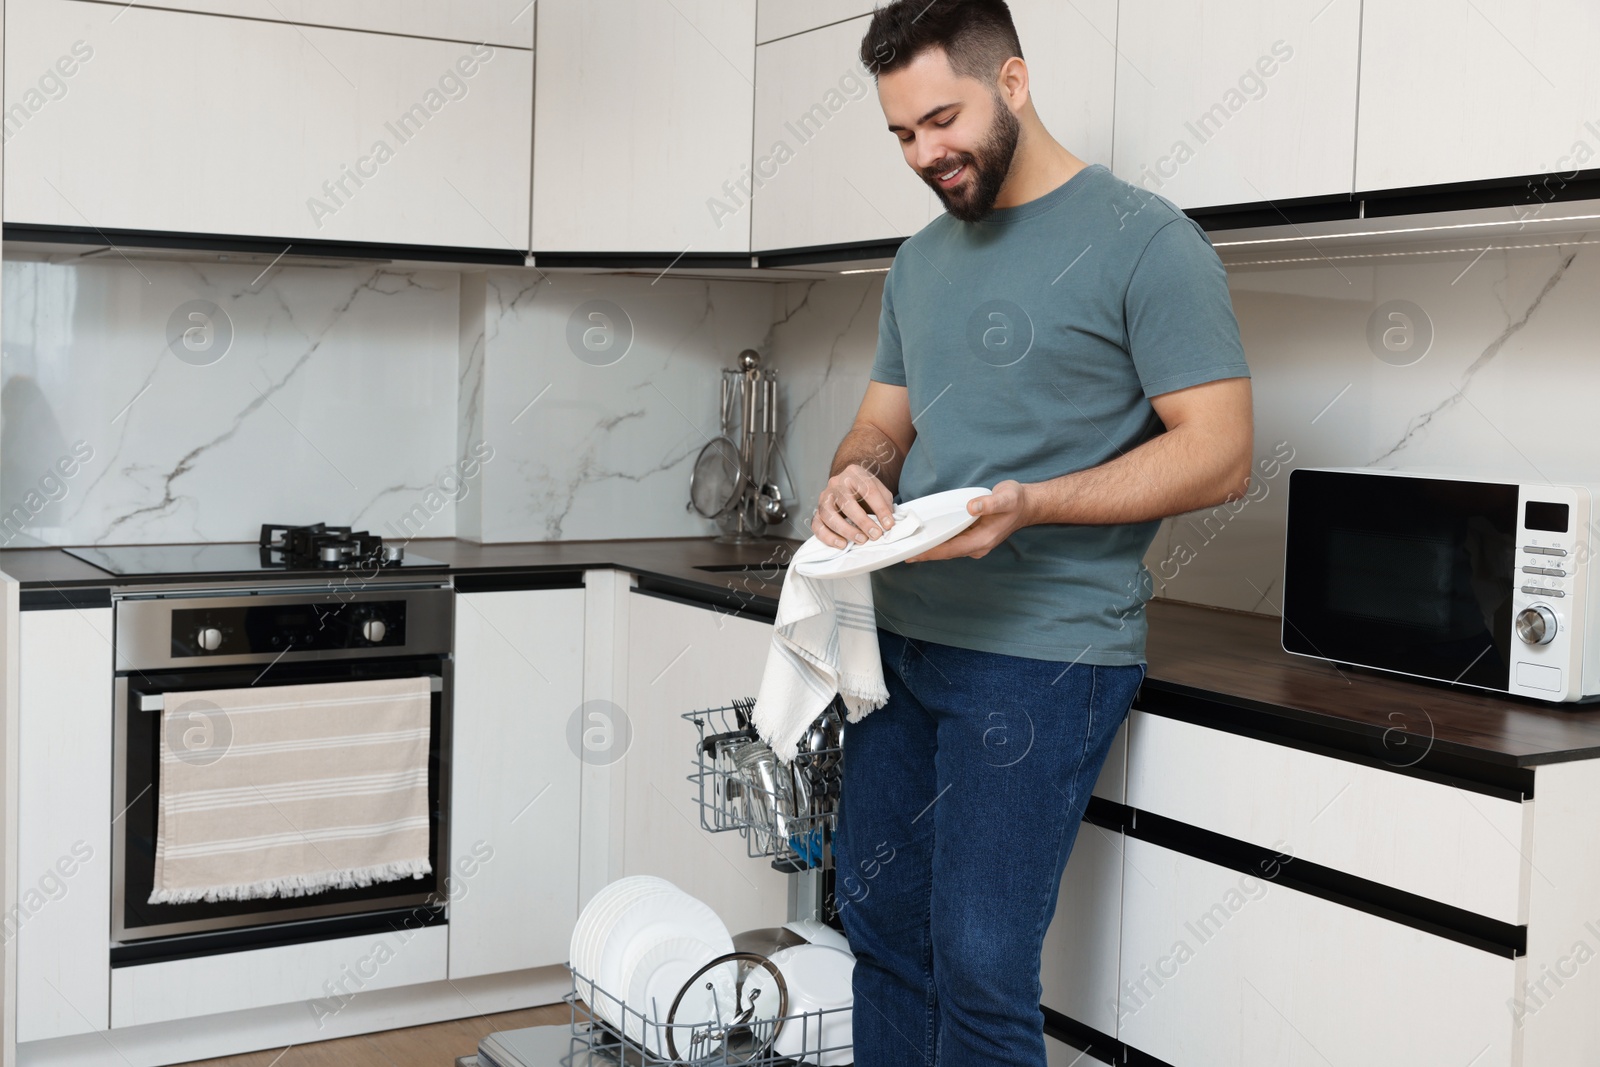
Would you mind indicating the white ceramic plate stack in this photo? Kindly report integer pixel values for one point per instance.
(637, 941)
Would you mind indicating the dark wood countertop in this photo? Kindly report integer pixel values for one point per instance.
(1236, 659)
(1219, 665)
(750, 574)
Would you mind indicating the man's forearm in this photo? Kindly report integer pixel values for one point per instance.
(1168, 475)
(871, 448)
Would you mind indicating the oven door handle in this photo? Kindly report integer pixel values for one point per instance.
(155, 701)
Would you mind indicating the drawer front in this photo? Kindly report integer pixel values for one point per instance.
(1450, 845)
(1219, 967)
(324, 974)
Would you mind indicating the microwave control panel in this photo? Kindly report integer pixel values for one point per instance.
(1546, 653)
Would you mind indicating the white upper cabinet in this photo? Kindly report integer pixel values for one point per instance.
(1072, 67)
(784, 18)
(498, 22)
(1459, 90)
(828, 171)
(1237, 101)
(642, 125)
(130, 118)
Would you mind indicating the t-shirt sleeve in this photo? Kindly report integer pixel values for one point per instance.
(1181, 326)
(889, 365)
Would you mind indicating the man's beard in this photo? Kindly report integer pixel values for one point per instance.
(990, 166)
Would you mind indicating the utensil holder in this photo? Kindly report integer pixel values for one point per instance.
(762, 810)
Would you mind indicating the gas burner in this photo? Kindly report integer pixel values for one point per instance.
(320, 545)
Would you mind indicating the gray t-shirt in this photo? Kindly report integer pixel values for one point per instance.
(1030, 343)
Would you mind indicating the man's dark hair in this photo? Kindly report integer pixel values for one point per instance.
(978, 36)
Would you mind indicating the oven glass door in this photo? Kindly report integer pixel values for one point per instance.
(137, 761)
(1403, 573)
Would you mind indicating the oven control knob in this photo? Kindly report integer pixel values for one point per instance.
(373, 630)
(209, 638)
(1536, 625)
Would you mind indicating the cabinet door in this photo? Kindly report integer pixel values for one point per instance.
(683, 658)
(1222, 968)
(1238, 101)
(508, 22)
(514, 780)
(182, 122)
(1072, 67)
(1458, 847)
(1079, 966)
(784, 18)
(642, 116)
(1458, 90)
(830, 172)
(63, 877)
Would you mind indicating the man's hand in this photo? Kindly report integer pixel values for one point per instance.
(844, 505)
(1000, 514)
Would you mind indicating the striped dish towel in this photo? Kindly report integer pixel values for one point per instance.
(281, 791)
(824, 642)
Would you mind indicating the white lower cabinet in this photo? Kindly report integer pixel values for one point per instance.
(514, 790)
(685, 657)
(1219, 967)
(1438, 841)
(63, 876)
(1078, 971)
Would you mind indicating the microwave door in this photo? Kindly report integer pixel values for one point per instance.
(1406, 574)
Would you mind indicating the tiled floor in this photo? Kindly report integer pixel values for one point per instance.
(437, 1045)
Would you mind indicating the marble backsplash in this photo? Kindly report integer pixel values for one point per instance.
(595, 394)
(199, 401)
(434, 404)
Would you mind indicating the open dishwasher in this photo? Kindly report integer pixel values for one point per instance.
(786, 813)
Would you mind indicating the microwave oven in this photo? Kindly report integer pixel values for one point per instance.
(1464, 580)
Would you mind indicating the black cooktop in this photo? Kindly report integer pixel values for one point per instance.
(241, 558)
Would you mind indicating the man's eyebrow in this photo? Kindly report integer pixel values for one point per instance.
(942, 107)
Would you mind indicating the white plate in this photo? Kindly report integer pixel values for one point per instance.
(818, 979)
(689, 916)
(596, 914)
(593, 950)
(658, 975)
(819, 933)
(941, 515)
(611, 943)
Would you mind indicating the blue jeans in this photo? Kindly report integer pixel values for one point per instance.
(960, 804)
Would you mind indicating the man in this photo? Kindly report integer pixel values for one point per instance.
(1067, 339)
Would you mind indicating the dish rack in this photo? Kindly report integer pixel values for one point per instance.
(646, 1039)
(788, 813)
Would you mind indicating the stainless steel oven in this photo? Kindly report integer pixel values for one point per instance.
(169, 641)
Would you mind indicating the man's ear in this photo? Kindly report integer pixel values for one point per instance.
(1012, 83)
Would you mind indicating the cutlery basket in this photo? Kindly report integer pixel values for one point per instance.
(785, 812)
(646, 1039)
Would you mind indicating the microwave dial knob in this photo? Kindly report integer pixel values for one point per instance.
(209, 638)
(373, 630)
(1536, 625)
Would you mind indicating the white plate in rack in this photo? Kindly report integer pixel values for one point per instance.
(939, 517)
(589, 936)
(658, 975)
(647, 917)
